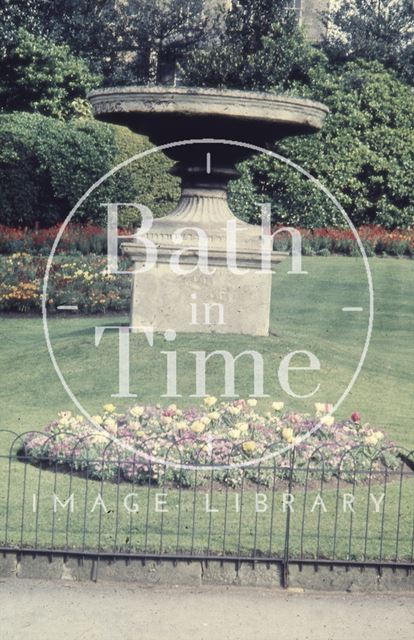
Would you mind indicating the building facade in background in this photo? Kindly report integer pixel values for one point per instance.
(309, 15)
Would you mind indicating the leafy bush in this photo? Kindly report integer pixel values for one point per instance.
(41, 76)
(364, 155)
(46, 165)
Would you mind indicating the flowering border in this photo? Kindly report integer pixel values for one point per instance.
(215, 438)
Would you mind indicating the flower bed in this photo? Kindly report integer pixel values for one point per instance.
(74, 280)
(80, 278)
(76, 238)
(92, 239)
(217, 439)
(376, 241)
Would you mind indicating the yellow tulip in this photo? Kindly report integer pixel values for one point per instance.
(137, 411)
(99, 438)
(109, 408)
(198, 426)
(209, 401)
(287, 434)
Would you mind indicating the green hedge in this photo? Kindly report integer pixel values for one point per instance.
(46, 165)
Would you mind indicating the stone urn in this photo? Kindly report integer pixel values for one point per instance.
(225, 300)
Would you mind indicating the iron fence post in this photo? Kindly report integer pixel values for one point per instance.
(285, 565)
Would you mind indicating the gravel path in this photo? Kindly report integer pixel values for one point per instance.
(46, 610)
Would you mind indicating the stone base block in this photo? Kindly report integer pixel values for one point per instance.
(199, 303)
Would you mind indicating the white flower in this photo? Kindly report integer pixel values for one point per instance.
(65, 414)
(278, 406)
(322, 407)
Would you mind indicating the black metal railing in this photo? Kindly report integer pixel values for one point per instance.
(359, 511)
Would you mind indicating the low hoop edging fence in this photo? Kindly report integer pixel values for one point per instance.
(359, 514)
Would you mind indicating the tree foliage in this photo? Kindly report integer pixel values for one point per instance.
(261, 46)
(381, 30)
(14, 16)
(85, 26)
(40, 76)
(161, 32)
(364, 155)
(124, 40)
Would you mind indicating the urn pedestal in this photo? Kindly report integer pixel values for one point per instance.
(212, 270)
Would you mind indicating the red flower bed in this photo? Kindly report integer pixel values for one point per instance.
(376, 241)
(76, 238)
(92, 239)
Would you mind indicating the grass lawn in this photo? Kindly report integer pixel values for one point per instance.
(162, 519)
(306, 315)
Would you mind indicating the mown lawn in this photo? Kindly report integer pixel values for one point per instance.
(210, 518)
(306, 315)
